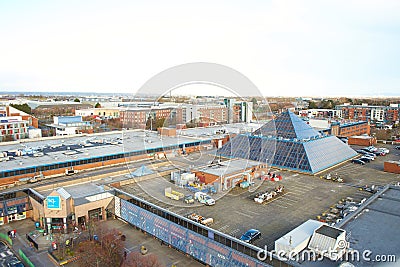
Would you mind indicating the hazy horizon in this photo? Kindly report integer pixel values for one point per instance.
(286, 48)
(94, 93)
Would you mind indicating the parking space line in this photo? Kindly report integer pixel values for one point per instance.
(244, 214)
(234, 232)
(285, 202)
(223, 227)
(291, 200)
(297, 191)
(252, 212)
(304, 187)
(281, 206)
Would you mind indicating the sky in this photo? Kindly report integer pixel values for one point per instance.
(286, 48)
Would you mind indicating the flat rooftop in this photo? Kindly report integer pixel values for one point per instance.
(215, 131)
(229, 167)
(376, 227)
(56, 150)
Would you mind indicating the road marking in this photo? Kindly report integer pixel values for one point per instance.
(289, 199)
(297, 193)
(234, 231)
(244, 214)
(298, 189)
(223, 227)
(281, 206)
(252, 212)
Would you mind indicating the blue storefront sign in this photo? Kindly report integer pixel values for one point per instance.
(53, 202)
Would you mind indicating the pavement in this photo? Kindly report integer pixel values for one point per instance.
(134, 240)
(38, 258)
(305, 198)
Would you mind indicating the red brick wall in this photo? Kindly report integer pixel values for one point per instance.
(393, 167)
(361, 141)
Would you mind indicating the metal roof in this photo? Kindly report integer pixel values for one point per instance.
(299, 234)
(57, 150)
(63, 193)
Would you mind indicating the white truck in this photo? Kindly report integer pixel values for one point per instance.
(36, 178)
(70, 172)
(204, 198)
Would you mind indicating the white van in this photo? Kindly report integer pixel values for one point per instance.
(204, 198)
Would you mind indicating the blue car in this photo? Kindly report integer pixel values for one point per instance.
(250, 235)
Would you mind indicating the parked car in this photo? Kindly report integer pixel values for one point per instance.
(397, 147)
(385, 150)
(379, 153)
(365, 159)
(369, 157)
(360, 151)
(357, 161)
(250, 235)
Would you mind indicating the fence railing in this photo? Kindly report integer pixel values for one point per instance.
(26, 260)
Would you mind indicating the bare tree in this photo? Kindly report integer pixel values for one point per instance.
(106, 250)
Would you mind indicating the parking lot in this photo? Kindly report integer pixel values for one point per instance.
(305, 197)
(7, 257)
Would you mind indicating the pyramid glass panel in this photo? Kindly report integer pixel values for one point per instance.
(293, 145)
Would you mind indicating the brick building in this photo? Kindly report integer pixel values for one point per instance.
(384, 114)
(137, 117)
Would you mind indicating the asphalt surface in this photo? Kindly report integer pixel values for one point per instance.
(305, 198)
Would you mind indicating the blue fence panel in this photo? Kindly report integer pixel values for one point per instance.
(200, 247)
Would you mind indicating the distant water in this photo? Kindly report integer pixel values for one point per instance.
(60, 93)
(33, 93)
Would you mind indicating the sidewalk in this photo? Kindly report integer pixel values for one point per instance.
(134, 240)
(39, 259)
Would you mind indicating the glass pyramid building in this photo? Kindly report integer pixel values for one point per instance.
(290, 143)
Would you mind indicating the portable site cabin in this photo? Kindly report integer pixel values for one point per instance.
(297, 239)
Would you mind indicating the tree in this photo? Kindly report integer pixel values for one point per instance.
(8, 138)
(254, 100)
(22, 107)
(135, 259)
(77, 100)
(98, 105)
(107, 250)
(312, 105)
(152, 124)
